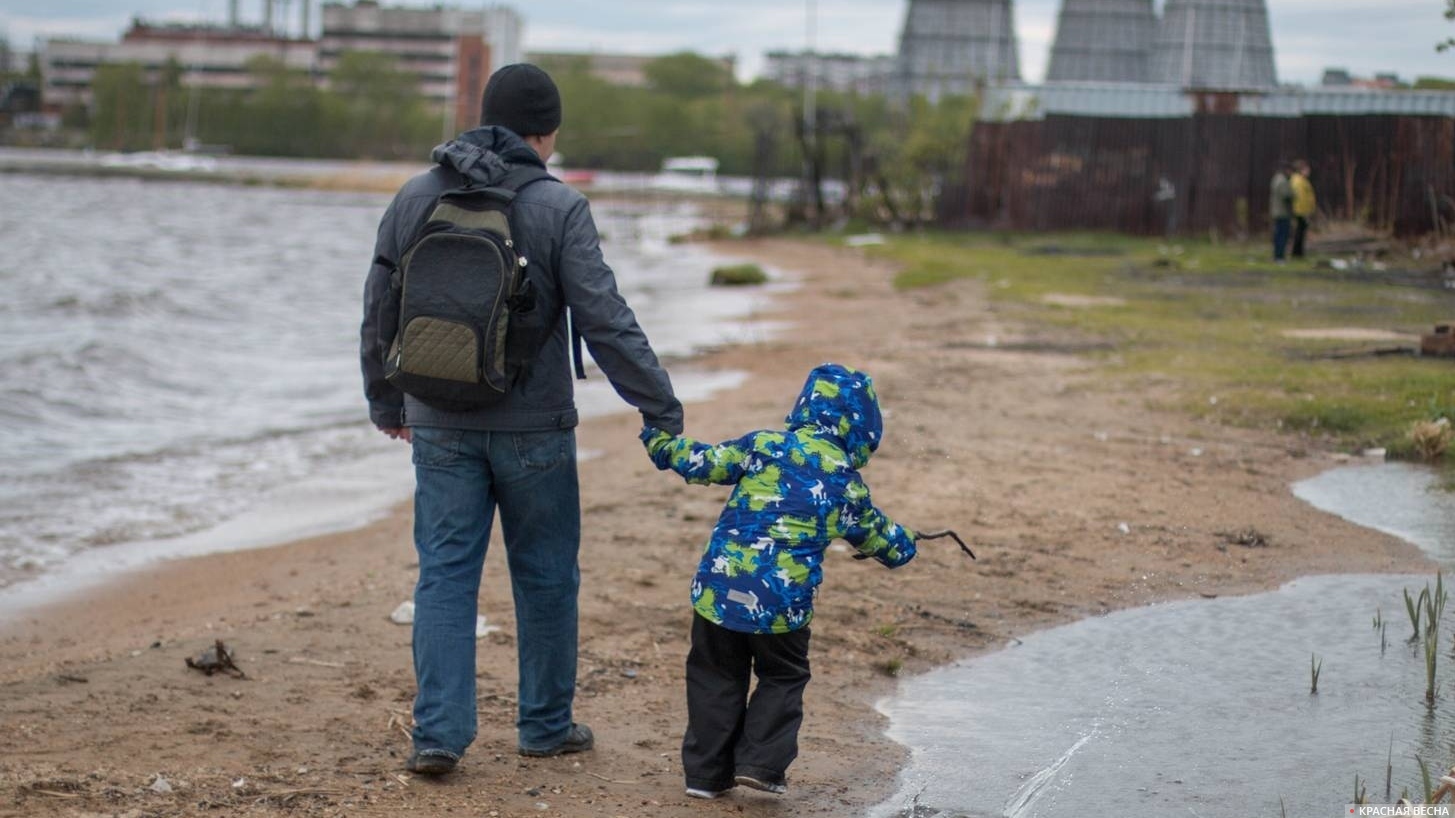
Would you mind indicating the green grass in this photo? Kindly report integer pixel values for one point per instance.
(1204, 323)
(738, 275)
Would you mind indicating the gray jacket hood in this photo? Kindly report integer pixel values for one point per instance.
(484, 154)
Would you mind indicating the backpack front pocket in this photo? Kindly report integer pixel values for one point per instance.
(439, 348)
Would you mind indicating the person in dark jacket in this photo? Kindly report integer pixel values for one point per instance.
(795, 490)
(1280, 209)
(518, 455)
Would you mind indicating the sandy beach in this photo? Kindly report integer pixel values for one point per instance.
(1078, 499)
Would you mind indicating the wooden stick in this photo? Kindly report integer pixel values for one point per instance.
(54, 794)
(612, 780)
(952, 535)
(300, 660)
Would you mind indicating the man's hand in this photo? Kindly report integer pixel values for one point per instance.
(401, 433)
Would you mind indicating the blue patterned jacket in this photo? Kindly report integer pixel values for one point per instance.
(796, 491)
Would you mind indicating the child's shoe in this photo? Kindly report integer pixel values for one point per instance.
(708, 795)
(766, 785)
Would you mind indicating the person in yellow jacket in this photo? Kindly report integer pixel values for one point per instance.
(1305, 204)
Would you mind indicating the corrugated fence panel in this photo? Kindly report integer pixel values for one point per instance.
(1205, 172)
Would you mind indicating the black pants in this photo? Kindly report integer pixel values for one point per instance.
(1300, 232)
(729, 733)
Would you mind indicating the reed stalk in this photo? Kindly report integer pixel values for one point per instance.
(1389, 768)
(1425, 779)
(1432, 655)
(1414, 608)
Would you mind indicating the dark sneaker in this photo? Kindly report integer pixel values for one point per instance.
(578, 740)
(775, 787)
(430, 763)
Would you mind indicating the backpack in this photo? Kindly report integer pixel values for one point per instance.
(468, 325)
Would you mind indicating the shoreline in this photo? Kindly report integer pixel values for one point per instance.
(1020, 451)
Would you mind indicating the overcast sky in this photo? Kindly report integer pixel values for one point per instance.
(1364, 36)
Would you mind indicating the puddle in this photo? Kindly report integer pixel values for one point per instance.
(1200, 707)
(1398, 498)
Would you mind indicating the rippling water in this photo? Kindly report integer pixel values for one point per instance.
(172, 353)
(1201, 708)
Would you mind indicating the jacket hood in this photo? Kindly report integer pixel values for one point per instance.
(484, 155)
(840, 402)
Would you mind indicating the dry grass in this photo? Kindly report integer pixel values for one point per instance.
(1430, 439)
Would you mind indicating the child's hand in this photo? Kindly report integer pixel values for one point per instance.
(656, 442)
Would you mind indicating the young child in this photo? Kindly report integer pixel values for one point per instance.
(796, 490)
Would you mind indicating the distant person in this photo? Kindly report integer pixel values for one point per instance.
(1305, 205)
(519, 454)
(795, 490)
(1166, 200)
(1280, 209)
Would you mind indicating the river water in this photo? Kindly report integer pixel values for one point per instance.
(1201, 708)
(179, 367)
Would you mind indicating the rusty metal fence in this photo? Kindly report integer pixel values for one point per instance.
(1206, 172)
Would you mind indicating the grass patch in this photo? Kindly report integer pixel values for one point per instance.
(1199, 327)
(738, 275)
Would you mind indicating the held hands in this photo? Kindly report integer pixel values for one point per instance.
(401, 433)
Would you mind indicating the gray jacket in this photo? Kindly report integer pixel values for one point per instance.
(553, 228)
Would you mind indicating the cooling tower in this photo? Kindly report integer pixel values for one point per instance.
(947, 46)
(1103, 41)
(1215, 44)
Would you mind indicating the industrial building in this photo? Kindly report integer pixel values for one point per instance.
(1215, 44)
(1103, 41)
(949, 46)
(451, 51)
(210, 56)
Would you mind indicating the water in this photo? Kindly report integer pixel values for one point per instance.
(178, 356)
(1397, 498)
(1198, 708)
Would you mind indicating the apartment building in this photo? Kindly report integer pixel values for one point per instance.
(209, 56)
(452, 50)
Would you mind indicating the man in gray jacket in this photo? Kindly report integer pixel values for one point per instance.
(520, 454)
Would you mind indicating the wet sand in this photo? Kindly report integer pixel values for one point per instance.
(1077, 498)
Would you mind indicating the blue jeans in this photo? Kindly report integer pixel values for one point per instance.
(1281, 228)
(460, 478)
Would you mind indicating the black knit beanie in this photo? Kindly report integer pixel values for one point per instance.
(524, 99)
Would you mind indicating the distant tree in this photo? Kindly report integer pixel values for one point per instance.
(377, 110)
(690, 76)
(123, 112)
(283, 116)
(1434, 84)
(917, 159)
(374, 78)
(1449, 15)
